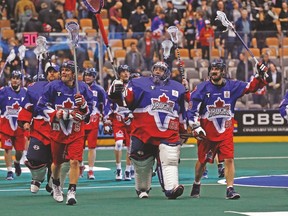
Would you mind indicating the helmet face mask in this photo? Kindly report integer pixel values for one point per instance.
(15, 81)
(68, 64)
(89, 75)
(163, 67)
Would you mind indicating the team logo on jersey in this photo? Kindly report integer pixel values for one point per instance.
(219, 109)
(13, 109)
(175, 93)
(162, 104)
(95, 93)
(226, 94)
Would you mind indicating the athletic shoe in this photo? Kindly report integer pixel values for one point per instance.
(71, 200)
(82, 168)
(118, 176)
(205, 174)
(232, 194)
(90, 175)
(195, 193)
(176, 192)
(132, 172)
(221, 172)
(142, 194)
(127, 176)
(57, 193)
(10, 175)
(35, 185)
(18, 170)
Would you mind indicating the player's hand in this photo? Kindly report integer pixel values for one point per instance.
(80, 101)
(128, 118)
(261, 71)
(76, 115)
(117, 86)
(199, 133)
(108, 127)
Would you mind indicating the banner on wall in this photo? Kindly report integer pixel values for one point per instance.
(259, 123)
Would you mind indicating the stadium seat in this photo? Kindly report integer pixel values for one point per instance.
(86, 23)
(184, 53)
(272, 52)
(255, 51)
(283, 52)
(124, 23)
(203, 73)
(7, 33)
(91, 32)
(196, 53)
(193, 83)
(192, 73)
(128, 41)
(115, 44)
(232, 72)
(106, 23)
(272, 42)
(119, 55)
(285, 42)
(5, 24)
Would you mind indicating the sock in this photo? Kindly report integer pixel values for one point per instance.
(118, 165)
(72, 187)
(90, 168)
(56, 181)
(128, 168)
(197, 183)
(9, 169)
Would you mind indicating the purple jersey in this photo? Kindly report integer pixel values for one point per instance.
(57, 96)
(214, 106)
(158, 109)
(283, 108)
(10, 101)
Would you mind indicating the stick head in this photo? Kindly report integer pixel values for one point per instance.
(22, 49)
(166, 46)
(221, 16)
(173, 30)
(41, 47)
(94, 6)
(11, 56)
(73, 30)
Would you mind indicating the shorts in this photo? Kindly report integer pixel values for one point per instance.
(8, 142)
(208, 149)
(65, 152)
(92, 137)
(37, 151)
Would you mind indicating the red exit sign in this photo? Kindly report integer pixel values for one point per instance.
(29, 39)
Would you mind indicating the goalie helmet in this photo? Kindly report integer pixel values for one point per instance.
(90, 72)
(219, 64)
(68, 64)
(163, 66)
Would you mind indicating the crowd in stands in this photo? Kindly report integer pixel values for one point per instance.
(144, 23)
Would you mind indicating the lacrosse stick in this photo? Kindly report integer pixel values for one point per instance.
(40, 51)
(221, 16)
(95, 6)
(9, 59)
(166, 46)
(73, 30)
(21, 53)
(173, 30)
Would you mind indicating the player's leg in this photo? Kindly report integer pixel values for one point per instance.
(38, 158)
(167, 170)
(74, 154)
(127, 174)
(226, 153)
(220, 167)
(143, 157)
(19, 143)
(92, 143)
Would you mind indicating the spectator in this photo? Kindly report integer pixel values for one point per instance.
(190, 34)
(205, 38)
(33, 25)
(24, 18)
(134, 59)
(172, 14)
(115, 17)
(20, 8)
(148, 47)
(137, 22)
(241, 68)
(157, 27)
(274, 80)
(70, 9)
(206, 9)
(283, 18)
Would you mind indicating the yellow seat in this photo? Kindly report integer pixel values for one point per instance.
(86, 23)
(184, 53)
(128, 41)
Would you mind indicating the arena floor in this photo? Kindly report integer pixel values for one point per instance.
(261, 177)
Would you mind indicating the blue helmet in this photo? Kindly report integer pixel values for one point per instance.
(122, 68)
(16, 73)
(163, 66)
(68, 64)
(91, 72)
(219, 64)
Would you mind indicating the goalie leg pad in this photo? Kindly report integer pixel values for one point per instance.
(143, 174)
(38, 171)
(168, 166)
